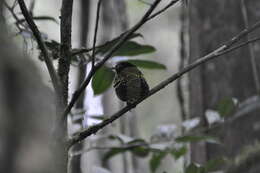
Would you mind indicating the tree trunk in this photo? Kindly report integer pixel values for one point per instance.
(212, 23)
(84, 25)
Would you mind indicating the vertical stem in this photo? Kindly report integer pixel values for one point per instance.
(251, 49)
(183, 57)
(95, 34)
(64, 61)
(63, 72)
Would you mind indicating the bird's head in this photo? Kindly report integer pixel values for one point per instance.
(122, 65)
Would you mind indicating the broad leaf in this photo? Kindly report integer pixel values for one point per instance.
(156, 160)
(177, 153)
(214, 164)
(147, 64)
(98, 117)
(139, 147)
(123, 139)
(137, 141)
(141, 151)
(226, 107)
(193, 168)
(102, 80)
(109, 44)
(129, 48)
(112, 152)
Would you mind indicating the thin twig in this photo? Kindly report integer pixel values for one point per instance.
(14, 4)
(11, 10)
(95, 34)
(120, 42)
(224, 49)
(251, 49)
(148, 19)
(183, 57)
(42, 46)
(163, 9)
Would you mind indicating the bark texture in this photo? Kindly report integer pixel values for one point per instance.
(211, 24)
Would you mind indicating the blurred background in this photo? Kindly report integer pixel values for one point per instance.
(207, 121)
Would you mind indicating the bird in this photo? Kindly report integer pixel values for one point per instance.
(129, 83)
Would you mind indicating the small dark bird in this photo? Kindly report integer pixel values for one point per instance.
(129, 83)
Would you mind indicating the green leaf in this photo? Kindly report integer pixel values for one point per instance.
(156, 160)
(141, 151)
(123, 139)
(137, 141)
(214, 164)
(193, 168)
(102, 80)
(226, 107)
(98, 117)
(112, 152)
(185, 139)
(177, 153)
(114, 137)
(130, 48)
(147, 64)
(109, 44)
(139, 147)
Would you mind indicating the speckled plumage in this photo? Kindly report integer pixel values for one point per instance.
(129, 83)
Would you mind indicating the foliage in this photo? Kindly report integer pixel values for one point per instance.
(210, 166)
(147, 64)
(129, 48)
(157, 152)
(226, 107)
(102, 80)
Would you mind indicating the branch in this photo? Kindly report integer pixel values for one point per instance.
(64, 60)
(95, 34)
(120, 42)
(10, 9)
(42, 46)
(224, 49)
(151, 17)
(163, 9)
